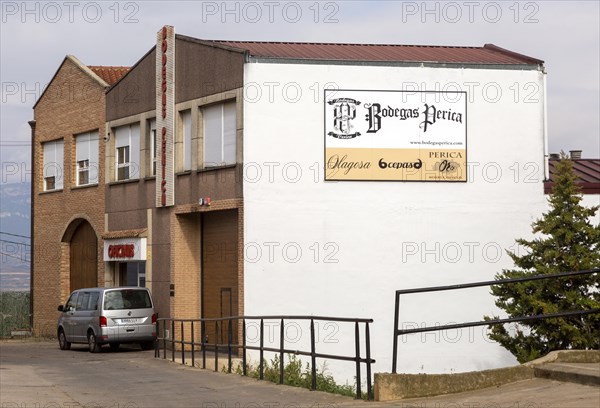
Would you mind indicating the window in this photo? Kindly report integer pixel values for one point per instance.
(123, 163)
(127, 299)
(86, 146)
(53, 165)
(70, 306)
(186, 139)
(219, 134)
(152, 143)
(87, 301)
(127, 140)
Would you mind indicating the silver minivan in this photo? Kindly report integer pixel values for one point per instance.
(112, 316)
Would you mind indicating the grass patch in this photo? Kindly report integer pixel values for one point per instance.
(296, 374)
(14, 312)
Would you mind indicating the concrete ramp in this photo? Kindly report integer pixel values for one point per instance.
(576, 366)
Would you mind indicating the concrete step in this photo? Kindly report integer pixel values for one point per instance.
(580, 373)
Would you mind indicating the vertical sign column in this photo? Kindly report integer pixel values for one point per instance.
(165, 116)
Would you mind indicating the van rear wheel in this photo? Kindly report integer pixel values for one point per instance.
(92, 343)
(62, 340)
(114, 346)
(147, 345)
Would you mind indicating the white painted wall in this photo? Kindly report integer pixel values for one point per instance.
(385, 236)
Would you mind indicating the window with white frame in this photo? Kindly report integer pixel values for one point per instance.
(186, 139)
(53, 165)
(86, 153)
(127, 152)
(152, 144)
(219, 134)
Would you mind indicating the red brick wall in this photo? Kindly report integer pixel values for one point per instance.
(73, 103)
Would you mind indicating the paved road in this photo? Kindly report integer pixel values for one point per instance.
(39, 375)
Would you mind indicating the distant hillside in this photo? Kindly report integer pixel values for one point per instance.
(15, 210)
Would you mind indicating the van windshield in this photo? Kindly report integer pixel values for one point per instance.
(127, 299)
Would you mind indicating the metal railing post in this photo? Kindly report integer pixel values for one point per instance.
(244, 373)
(281, 356)
(262, 343)
(164, 338)
(173, 340)
(396, 319)
(193, 345)
(156, 343)
(368, 346)
(313, 358)
(357, 343)
(182, 344)
(229, 340)
(216, 346)
(203, 341)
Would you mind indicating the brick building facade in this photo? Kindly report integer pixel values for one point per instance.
(195, 148)
(68, 188)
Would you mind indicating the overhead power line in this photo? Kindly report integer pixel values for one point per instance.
(16, 257)
(14, 242)
(14, 235)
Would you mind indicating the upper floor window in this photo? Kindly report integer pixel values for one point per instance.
(220, 134)
(53, 165)
(127, 154)
(86, 146)
(152, 143)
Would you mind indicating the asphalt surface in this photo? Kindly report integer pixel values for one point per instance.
(39, 375)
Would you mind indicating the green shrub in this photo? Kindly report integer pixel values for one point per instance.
(14, 312)
(297, 375)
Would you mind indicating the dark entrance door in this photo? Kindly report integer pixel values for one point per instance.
(220, 271)
(84, 257)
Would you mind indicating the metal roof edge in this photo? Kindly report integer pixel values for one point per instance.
(586, 188)
(424, 64)
(210, 43)
(510, 53)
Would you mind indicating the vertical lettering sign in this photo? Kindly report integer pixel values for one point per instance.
(165, 116)
(395, 135)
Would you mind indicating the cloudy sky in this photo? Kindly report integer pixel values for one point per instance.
(36, 36)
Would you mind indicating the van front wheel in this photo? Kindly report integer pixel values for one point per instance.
(93, 345)
(62, 340)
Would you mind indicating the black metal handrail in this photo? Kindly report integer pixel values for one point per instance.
(282, 350)
(399, 332)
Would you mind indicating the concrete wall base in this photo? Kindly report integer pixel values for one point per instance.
(391, 387)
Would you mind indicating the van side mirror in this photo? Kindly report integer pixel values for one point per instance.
(60, 308)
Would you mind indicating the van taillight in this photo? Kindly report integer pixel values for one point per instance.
(102, 321)
(153, 318)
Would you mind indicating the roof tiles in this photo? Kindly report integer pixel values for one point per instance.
(109, 74)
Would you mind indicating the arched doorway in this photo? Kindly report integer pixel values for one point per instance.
(83, 257)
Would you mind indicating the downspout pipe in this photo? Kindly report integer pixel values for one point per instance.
(32, 124)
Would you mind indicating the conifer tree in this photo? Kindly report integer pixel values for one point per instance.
(565, 240)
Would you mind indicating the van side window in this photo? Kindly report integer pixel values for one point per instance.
(93, 302)
(82, 301)
(71, 303)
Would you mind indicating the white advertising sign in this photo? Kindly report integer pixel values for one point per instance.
(395, 135)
